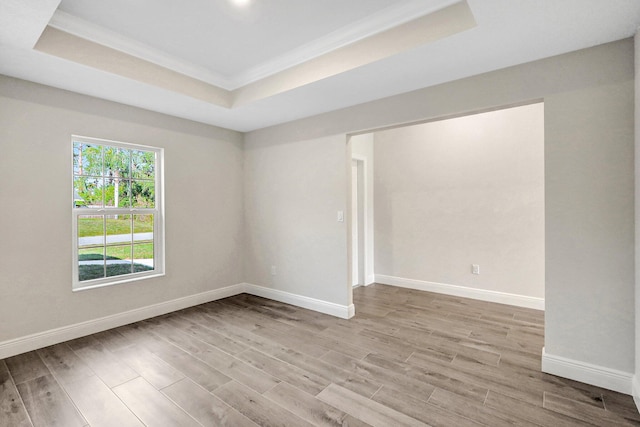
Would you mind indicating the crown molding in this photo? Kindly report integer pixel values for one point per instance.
(383, 20)
(79, 27)
(387, 18)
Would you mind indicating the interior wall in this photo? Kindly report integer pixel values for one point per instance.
(293, 193)
(203, 195)
(362, 148)
(589, 218)
(463, 191)
(636, 383)
(590, 224)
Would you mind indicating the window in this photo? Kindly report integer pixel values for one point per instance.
(117, 212)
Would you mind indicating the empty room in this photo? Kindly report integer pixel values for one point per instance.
(297, 212)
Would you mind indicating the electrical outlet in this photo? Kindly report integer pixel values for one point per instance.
(273, 270)
(475, 268)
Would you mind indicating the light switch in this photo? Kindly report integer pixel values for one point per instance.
(340, 216)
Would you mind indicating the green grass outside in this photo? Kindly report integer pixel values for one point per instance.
(140, 251)
(94, 226)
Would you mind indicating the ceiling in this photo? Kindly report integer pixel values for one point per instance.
(246, 67)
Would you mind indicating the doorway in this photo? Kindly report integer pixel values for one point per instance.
(459, 205)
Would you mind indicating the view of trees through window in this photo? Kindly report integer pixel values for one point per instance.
(114, 206)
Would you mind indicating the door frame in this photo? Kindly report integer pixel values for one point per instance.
(361, 246)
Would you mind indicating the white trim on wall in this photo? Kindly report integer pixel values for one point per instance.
(463, 291)
(337, 310)
(600, 376)
(635, 390)
(371, 279)
(77, 330)
(54, 336)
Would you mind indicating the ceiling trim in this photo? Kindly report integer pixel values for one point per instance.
(73, 46)
(82, 51)
(429, 28)
(379, 22)
(383, 20)
(79, 27)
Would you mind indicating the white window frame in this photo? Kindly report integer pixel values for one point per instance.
(157, 211)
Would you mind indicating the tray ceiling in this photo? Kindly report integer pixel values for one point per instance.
(271, 61)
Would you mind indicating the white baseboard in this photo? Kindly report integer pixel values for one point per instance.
(65, 333)
(54, 336)
(635, 389)
(342, 311)
(463, 291)
(611, 379)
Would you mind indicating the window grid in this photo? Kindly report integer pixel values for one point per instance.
(129, 186)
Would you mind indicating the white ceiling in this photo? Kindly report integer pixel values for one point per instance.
(218, 36)
(230, 47)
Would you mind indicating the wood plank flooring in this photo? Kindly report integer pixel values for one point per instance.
(408, 358)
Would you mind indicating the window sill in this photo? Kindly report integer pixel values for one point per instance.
(77, 287)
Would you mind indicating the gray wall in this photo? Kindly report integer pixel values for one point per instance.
(590, 222)
(203, 193)
(468, 190)
(292, 195)
(589, 215)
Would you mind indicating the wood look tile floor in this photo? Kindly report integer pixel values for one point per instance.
(408, 358)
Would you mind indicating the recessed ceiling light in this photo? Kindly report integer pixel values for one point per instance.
(241, 3)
